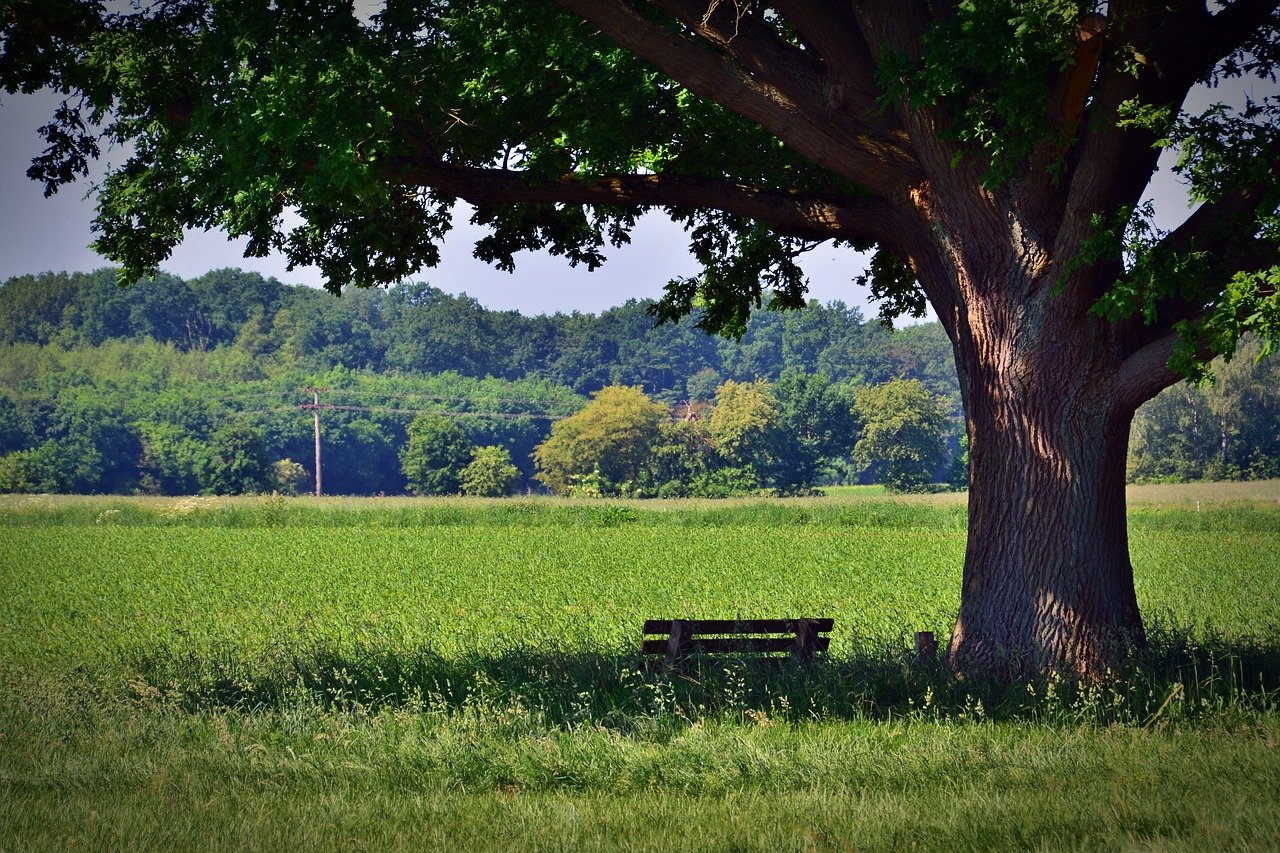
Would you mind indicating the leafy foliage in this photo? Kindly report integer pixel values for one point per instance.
(745, 412)
(611, 438)
(904, 434)
(490, 473)
(235, 462)
(436, 455)
(990, 65)
(816, 423)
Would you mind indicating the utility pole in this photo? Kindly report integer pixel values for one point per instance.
(315, 408)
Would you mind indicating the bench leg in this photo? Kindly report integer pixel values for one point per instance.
(678, 643)
(806, 640)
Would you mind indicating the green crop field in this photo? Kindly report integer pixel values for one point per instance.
(408, 673)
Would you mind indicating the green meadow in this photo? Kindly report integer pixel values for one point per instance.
(408, 673)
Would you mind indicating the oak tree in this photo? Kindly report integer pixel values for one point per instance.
(994, 153)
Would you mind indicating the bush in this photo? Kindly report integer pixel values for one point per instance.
(435, 456)
(490, 474)
(290, 477)
(236, 462)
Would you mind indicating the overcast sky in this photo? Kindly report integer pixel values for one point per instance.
(39, 234)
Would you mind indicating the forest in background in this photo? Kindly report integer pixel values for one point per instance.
(181, 386)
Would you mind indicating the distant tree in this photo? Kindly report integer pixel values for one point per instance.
(614, 434)
(904, 432)
(289, 478)
(171, 461)
(91, 449)
(682, 462)
(364, 454)
(432, 331)
(701, 386)
(254, 337)
(18, 472)
(744, 417)
(235, 461)
(15, 433)
(1225, 429)
(816, 422)
(518, 435)
(435, 456)
(490, 474)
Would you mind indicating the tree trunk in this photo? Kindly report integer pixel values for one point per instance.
(1048, 585)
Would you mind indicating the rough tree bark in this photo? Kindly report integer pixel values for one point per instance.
(1047, 580)
(1049, 399)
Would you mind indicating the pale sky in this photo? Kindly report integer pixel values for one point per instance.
(39, 234)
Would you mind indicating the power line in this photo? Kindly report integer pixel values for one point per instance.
(538, 416)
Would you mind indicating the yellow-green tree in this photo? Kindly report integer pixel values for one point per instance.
(744, 415)
(490, 474)
(614, 435)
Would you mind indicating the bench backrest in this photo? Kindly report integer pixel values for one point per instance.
(678, 638)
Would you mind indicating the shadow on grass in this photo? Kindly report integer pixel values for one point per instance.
(1177, 678)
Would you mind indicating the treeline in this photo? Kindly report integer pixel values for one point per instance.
(415, 329)
(178, 387)
(1226, 430)
(142, 416)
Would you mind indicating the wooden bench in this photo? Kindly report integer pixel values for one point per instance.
(676, 639)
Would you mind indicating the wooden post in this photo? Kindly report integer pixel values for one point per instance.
(678, 643)
(315, 411)
(926, 648)
(806, 640)
(315, 408)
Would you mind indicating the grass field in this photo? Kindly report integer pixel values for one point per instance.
(275, 673)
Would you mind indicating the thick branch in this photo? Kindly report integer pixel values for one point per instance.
(1178, 45)
(1145, 374)
(796, 214)
(1040, 195)
(831, 31)
(898, 27)
(1229, 28)
(869, 162)
(1223, 232)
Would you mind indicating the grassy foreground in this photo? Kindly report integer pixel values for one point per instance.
(271, 674)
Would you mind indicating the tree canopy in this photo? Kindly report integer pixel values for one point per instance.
(903, 441)
(610, 438)
(435, 455)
